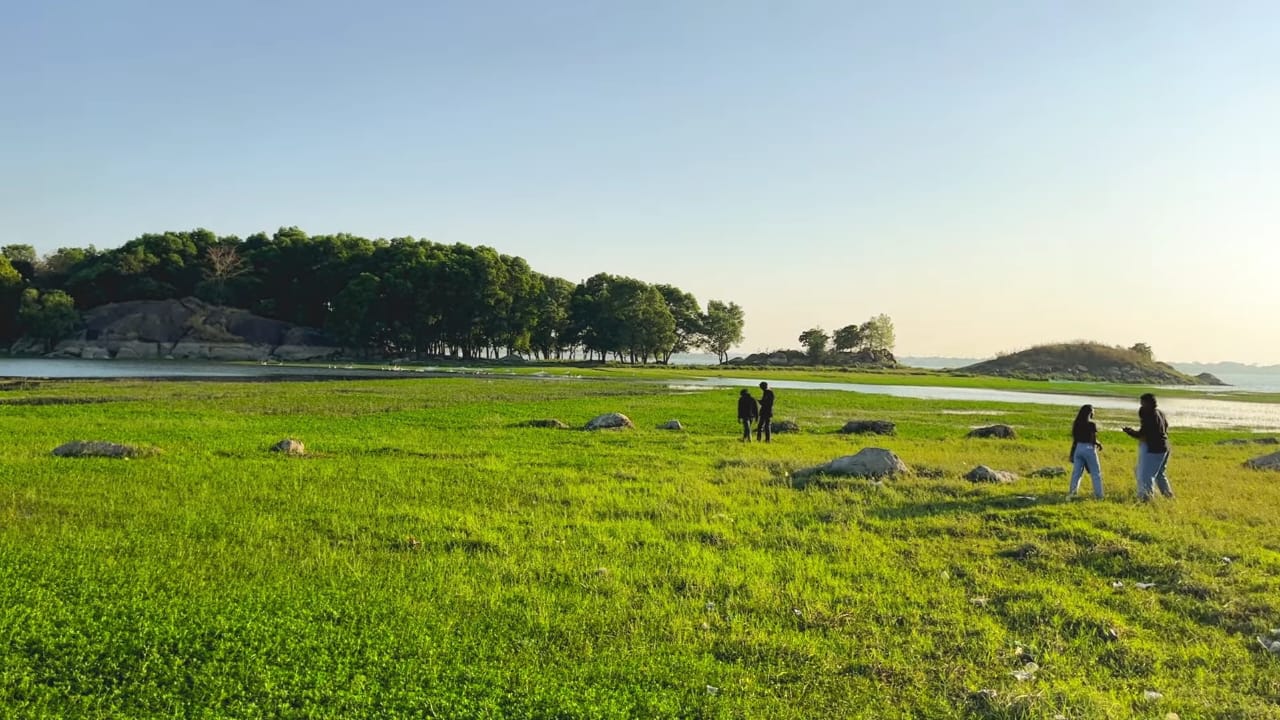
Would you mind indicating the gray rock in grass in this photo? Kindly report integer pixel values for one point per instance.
(783, 426)
(289, 446)
(866, 463)
(982, 473)
(1003, 432)
(1265, 462)
(869, 427)
(610, 421)
(82, 448)
(671, 425)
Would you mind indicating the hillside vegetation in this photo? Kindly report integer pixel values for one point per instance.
(433, 556)
(1082, 361)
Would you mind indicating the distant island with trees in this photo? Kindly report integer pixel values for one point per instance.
(399, 297)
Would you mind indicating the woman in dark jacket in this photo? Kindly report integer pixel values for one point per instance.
(747, 413)
(1153, 448)
(1084, 452)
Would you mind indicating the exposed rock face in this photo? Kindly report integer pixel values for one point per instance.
(785, 358)
(289, 446)
(190, 329)
(610, 420)
(80, 448)
(868, 427)
(1049, 472)
(1003, 432)
(866, 463)
(783, 426)
(671, 425)
(548, 423)
(1265, 462)
(982, 473)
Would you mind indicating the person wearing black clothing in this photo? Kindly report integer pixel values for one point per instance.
(747, 413)
(1084, 452)
(766, 413)
(1153, 448)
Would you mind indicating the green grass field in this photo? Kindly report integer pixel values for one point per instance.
(432, 558)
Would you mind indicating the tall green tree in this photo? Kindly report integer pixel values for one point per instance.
(815, 341)
(847, 338)
(878, 334)
(11, 287)
(687, 314)
(48, 317)
(721, 328)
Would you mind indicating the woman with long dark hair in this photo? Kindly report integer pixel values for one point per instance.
(1084, 452)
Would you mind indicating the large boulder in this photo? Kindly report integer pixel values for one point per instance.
(1004, 432)
(982, 473)
(866, 463)
(289, 446)
(610, 421)
(1265, 462)
(869, 427)
(82, 448)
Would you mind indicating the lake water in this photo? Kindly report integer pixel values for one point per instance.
(1185, 412)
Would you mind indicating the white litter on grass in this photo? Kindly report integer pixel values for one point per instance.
(713, 690)
(1027, 673)
(979, 601)
(1117, 584)
(1144, 586)
(1031, 498)
(709, 606)
(1227, 560)
(1152, 695)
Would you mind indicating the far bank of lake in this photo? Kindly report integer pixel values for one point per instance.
(1182, 411)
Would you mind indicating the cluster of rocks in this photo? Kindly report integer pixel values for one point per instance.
(187, 329)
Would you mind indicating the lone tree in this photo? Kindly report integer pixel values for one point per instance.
(815, 340)
(721, 328)
(1144, 350)
(877, 334)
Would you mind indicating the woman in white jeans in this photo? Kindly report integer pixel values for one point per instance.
(1084, 452)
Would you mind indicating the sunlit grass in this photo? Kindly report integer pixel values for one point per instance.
(433, 557)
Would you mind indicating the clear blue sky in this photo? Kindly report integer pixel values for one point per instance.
(990, 174)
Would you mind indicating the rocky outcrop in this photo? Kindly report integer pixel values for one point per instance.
(1210, 379)
(1003, 432)
(788, 358)
(872, 463)
(190, 329)
(81, 448)
(869, 427)
(610, 421)
(982, 473)
(1082, 361)
(1265, 462)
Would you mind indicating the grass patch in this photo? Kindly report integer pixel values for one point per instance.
(440, 559)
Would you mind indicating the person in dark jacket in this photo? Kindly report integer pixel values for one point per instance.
(747, 413)
(1084, 452)
(766, 413)
(1153, 448)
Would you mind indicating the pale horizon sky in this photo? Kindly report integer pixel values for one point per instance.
(991, 175)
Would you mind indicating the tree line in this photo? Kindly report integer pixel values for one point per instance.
(394, 298)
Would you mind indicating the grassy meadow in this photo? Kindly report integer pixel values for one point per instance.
(432, 557)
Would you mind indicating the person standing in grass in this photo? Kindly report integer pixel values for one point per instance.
(1084, 452)
(747, 413)
(1153, 448)
(766, 413)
